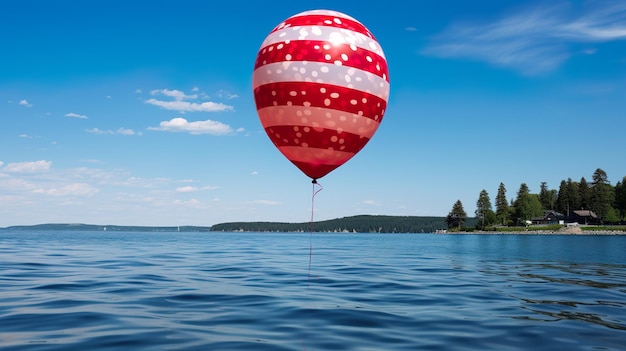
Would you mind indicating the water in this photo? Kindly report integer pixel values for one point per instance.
(236, 291)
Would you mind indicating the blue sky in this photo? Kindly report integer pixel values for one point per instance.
(142, 113)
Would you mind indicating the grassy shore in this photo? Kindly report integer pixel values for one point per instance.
(550, 229)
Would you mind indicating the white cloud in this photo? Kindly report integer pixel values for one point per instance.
(16, 184)
(194, 89)
(371, 202)
(75, 115)
(186, 106)
(533, 40)
(25, 103)
(180, 104)
(25, 136)
(124, 131)
(190, 189)
(121, 131)
(1, 163)
(28, 167)
(73, 189)
(198, 127)
(255, 173)
(223, 94)
(266, 202)
(176, 94)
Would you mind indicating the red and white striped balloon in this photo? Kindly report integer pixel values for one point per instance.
(321, 87)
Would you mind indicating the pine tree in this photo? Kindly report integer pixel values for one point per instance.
(502, 205)
(484, 214)
(545, 196)
(573, 189)
(601, 194)
(526, 205)
(457, 216)
(563, 198)
(620, 198)
(583, 191)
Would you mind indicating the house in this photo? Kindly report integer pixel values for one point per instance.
(584, 217)
(549, 217)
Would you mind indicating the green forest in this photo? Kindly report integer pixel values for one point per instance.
(354, 224)
(596, 201)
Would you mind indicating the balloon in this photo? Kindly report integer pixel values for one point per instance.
(321, 86)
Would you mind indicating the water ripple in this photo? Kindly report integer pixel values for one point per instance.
(154, 291)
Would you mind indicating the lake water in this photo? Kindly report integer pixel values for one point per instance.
(253, 291)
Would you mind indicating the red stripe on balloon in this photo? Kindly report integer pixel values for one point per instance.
(315, 156)
(315, 163)
(324, 52)
(313, 170)
(320, 95)
(325, 21)
(319, 138)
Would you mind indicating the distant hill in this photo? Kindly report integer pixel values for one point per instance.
(357, 224)
(353, 224)
(95, 227)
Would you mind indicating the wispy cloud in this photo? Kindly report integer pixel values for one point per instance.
(28, 167)
(74, 189)
(180, 103)
(25, 103)
(186, 106)
(223, 94)
(75, 115)
(179, 124)
(190, 189)
(371, 202)
(121, 131)
(534, 40)
(267, 202)
(176, 94)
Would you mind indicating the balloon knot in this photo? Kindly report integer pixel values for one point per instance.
(314, 181)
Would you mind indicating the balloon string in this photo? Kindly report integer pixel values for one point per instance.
(315, 191)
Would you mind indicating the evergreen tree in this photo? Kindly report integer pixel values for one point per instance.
(502, 205)
(620, 198)
(457, 216)
(573, 190)
(527, 205)
(601, 194)
(545, 196)
(562, 199)
(484, 213)
(583, 191)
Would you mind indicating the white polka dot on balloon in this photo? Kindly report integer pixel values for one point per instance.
(321, 86)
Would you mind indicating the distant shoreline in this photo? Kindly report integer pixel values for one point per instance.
(543, 232)
(574, 230)
(337, 227)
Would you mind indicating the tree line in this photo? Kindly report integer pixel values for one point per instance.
(607, 201)
(353, 224)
